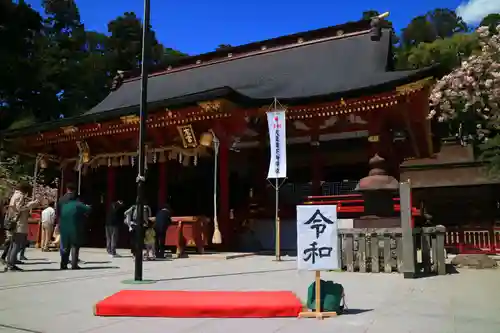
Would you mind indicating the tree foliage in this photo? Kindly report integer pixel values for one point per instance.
(53, 67)
(491, 21)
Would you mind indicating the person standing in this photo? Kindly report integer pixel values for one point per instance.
(131, 222)
(113, 222)
(17, 217)
(149, 242)
(69, 195)
(72, 227)
(48, 221)
(162, 222)
(8, 233)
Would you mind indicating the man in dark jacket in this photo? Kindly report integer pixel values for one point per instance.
(163, 220)
(68, 196)
(114, 218)
(72, 226)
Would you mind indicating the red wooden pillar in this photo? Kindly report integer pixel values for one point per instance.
(317, 165)
(111, 185)
(162, 179)
(224, 223)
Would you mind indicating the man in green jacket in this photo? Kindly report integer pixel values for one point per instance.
(72, 227)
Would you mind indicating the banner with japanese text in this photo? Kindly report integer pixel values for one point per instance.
(317, 238)
(277, 143)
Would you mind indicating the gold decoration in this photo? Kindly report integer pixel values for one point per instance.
(67, 130)
(130, 120)
(413, 86)
(211, 106)
(188, 137)
(84, 150)
(373, 138)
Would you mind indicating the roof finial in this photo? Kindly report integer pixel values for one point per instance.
(376, 26)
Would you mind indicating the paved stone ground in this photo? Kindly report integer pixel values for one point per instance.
(44, 299)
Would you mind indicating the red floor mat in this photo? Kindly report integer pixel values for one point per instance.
(200, 304)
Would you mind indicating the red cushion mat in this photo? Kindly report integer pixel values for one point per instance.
(200, 304)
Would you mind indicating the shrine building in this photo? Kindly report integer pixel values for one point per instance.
(344, 101)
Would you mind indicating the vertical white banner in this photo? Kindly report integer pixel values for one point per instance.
(317, 238)
(277, 143)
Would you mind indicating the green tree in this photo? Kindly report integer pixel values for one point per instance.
(438, 23)
(20, 32)
(125, 44)
(491, 21)
(448, 52)
(63, 56)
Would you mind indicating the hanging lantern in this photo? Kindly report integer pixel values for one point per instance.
(109, 162)
(155, 158)
(195, 160)
(162, 158)
(206, 139)
(86, 157)
(43, 162)
(132, 160)
(180, 157)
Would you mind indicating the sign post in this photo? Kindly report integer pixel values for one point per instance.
(317, 248)
(277, 163)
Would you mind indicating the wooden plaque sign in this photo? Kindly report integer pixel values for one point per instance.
(188, 137)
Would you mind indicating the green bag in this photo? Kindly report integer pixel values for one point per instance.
(332, 296)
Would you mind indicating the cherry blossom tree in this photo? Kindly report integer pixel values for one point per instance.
(13, 171)
(471, 91)
(469, 98)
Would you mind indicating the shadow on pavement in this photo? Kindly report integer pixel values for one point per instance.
(28, 263)
(227, 274)
(94, 262)
(355, 311)
(82, 268)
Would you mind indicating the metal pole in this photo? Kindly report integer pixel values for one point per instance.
(80, 174)
(216, 157)
(35, 176)
(143, 115)
(277, 221)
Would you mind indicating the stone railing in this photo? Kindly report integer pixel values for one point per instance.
(381, 250)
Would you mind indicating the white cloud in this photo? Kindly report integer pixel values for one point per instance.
(474, 10)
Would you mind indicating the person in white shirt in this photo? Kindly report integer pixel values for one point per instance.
(48, 221)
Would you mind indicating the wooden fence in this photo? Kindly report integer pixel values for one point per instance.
(381, 250)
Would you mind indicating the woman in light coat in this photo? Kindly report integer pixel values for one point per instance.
(18, 212)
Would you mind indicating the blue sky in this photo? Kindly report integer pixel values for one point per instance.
(196, 26)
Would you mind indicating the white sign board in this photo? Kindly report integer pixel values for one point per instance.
(317, 238)
(277, 143)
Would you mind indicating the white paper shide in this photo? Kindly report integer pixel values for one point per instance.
(317, 237)
(277, 143)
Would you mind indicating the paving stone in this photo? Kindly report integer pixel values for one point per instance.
(44, 299)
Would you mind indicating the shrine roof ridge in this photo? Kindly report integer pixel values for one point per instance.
(247, 49)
